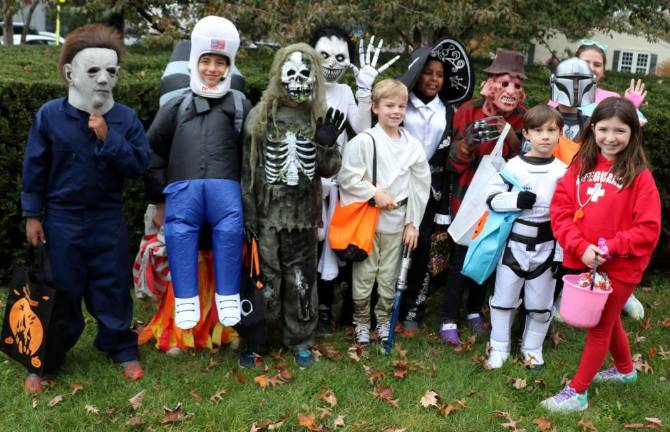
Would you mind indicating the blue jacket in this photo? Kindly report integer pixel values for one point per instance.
(66, 167)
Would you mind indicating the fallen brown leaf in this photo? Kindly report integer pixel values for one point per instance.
(173, 415)
(385, 393)
(330, 352)
(261, 380)
(519, 383)
(240, 377)
(217, 397)
(467, 344)
(109, 410)
(665, 323)
(211, 364)
(586, 426)
(646, 323)
(373, 375)
(135, 421)
(308, 421)
(354, 352)
(268, 424)
(55, 401)
(91, 409)
(329, 397)
(429, 399)
(324, 412)
(544, 424)
(34, 403)
(641, 364)
(195, 394)
(394, 430)
(654, 422)
(652, 352)
(339, 421)
(565, 380)
(136, 401)
(665, 355)
(556, 338)
(76, 388)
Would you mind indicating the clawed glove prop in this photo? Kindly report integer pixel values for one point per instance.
(366, 75)
(486, 129)
(328, 129)
(525, 200)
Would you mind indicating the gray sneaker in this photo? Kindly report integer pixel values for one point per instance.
(566, 401)
(362, 334)
(612, 375)
(383, 331)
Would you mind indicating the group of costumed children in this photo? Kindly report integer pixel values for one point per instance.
(265, 182)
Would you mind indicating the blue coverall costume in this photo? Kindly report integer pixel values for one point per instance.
(74, 181)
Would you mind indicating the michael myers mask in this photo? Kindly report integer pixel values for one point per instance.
(335, 53)
(298, 77)
(91, 76)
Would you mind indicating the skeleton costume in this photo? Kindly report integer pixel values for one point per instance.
(431, 123)
(195, 167)
(527, 260)
(284, 160)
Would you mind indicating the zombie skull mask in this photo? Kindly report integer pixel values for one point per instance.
(503, 93)
(298, 77)
(335, 53)
(91, 76)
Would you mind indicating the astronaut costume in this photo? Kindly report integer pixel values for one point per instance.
(527, 260)
(196, 141)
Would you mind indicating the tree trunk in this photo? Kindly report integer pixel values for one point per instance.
(7, 17)
(27, 20)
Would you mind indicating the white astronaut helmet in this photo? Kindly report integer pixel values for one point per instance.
(213, 35)
(573, 83)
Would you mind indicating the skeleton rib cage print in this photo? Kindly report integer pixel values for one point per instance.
(287, 158)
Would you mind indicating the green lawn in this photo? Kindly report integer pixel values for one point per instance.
(474, 399)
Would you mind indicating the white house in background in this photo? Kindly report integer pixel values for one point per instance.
(625, 53)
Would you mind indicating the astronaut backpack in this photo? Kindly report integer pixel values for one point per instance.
(489, 239)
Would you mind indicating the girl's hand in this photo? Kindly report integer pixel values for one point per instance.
(410, 236)
(589, 257)
(384, 200)
(636, 92)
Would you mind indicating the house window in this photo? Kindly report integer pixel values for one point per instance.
(634, 62)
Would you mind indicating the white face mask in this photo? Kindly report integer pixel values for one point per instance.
(335, 53)
(92, 75)
(298, 77)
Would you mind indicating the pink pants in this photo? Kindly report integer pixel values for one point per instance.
(607, 335)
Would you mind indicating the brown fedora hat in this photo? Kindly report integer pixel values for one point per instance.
(507, 62)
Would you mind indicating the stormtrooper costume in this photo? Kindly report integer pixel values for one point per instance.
(288, 147)
(527, 260)
(195, 168)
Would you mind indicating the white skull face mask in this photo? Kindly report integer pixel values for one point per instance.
(298, 77)
(92, 75)
(335, 53)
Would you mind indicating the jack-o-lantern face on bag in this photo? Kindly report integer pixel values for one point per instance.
(26, 325)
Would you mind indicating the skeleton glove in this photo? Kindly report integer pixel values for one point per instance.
(328, 129)
(368, 72)
(525, 200)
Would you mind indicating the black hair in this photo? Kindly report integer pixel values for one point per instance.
(329, 31)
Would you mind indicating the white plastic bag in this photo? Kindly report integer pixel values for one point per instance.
(474, 201)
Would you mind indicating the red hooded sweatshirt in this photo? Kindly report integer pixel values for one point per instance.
(628, 218)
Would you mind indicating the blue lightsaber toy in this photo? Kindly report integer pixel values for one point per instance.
(400, 287)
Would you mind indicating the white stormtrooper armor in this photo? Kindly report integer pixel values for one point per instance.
(527, 259)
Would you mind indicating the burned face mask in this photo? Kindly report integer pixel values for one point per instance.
(298, 77)
(503, 93)
(91, 76)
(335, 53)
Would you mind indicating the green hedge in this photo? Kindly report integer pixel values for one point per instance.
(28, 78)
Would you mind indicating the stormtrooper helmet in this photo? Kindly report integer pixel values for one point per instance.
(298, 77)
(573, 83)
(213, 35)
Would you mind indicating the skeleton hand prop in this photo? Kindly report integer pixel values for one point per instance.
(365, 76)
(486, 129)
(328, 129)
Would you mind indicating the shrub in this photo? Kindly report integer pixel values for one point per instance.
(28, 78)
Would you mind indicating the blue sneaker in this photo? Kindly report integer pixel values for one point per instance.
(612, 375)
(304, 359)
(566, 401)
(248, 360)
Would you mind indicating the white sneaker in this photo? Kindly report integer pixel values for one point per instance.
(362, 334)
(497, 359)
(383, 331)
(228, 307)
(634, 308)
(566, 401)
(186, 312)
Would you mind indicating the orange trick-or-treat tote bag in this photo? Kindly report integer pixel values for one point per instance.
(352, 228)
(33, 332)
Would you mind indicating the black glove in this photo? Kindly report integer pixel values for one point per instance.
(329, 129)
(525, 200)
(250, 232)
